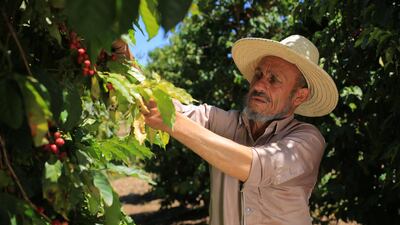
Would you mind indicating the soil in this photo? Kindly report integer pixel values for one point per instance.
(145, 208)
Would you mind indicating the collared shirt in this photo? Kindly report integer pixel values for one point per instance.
(282, 176)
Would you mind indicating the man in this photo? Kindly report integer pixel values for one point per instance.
(264, 163)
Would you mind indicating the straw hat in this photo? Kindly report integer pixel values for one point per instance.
(296, 49)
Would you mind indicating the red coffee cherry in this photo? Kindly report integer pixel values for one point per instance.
(87, 62)
(60, 142)
(81, 51)
(57, 135)
(54, 148)
(109, 86)
(56, 222)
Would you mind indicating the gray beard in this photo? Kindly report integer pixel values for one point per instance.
(258, 117)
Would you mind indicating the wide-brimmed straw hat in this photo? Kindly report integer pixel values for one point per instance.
(296, 49)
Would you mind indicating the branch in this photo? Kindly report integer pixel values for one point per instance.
(24, 195)
(14, 35)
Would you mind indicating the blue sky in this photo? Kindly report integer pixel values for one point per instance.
(143, 46)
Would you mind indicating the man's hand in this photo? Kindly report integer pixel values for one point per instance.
(153, 117)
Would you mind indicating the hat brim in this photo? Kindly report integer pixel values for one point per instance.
(323, 98)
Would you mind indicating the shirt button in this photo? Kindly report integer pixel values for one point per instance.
(248, 210)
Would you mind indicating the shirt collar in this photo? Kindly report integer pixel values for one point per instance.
(276, 125)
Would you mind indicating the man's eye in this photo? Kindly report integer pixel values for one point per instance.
(273, 79)
(257, 75)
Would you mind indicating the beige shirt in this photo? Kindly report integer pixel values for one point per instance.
(283, 173)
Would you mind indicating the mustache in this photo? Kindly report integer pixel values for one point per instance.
(261, 94)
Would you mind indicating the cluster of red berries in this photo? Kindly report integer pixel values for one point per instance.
(55, 144)
(83, 57)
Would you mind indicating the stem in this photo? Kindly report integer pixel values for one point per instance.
(14, 35)
(24, 195)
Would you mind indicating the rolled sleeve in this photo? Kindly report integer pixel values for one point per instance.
(280, 161)
(199, 113)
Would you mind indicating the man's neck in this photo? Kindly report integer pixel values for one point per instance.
(258, 128)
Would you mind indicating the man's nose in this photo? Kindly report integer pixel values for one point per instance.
(261, 84)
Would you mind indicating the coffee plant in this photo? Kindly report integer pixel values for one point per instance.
(71, 106)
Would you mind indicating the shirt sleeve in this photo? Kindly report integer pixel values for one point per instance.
(199, 113)
(298, 153)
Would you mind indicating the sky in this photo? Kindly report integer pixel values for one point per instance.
(144, 46)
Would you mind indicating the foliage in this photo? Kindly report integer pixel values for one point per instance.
(71, 112)
(358, 41)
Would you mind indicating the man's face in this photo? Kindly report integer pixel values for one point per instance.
(271, 89)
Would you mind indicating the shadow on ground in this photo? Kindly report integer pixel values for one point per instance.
(173, 216)
(145, 207)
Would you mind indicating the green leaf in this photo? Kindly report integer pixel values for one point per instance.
(115, 150)
(54, 90)
(106, 192)
(93, 20)
(131, 33)
(71, 114)
(165, 106)
(128, 13)
(129, 171)
(55, 33)
(172, 12)
(141, 149)
(147, 9)
(112, 213)
(5, 179)
(53, 171)
(93, 203)
(95, 88)
(11, 111)
(36, 107)
(120, 84)
(16, 206)
(175, 92)
(164, 137)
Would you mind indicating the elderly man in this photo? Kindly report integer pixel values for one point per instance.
(264, 163)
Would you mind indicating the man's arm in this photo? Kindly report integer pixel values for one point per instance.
(226, 155)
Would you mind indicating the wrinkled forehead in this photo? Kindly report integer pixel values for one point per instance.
(277, 62)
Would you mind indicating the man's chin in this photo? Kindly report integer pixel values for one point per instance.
(261, 116)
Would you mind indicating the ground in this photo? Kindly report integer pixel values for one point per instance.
(138, 202)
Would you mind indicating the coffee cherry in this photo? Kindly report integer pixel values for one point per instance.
(87, 63)
(81, 51)
(91, 72)
(60, 142)
(54, 148)
(40, 209)
(57, 135)
(85, 71)
(72, 46)
(56, 222)
(109, 86)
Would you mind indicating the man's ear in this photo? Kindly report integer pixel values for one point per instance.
(300, 96)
